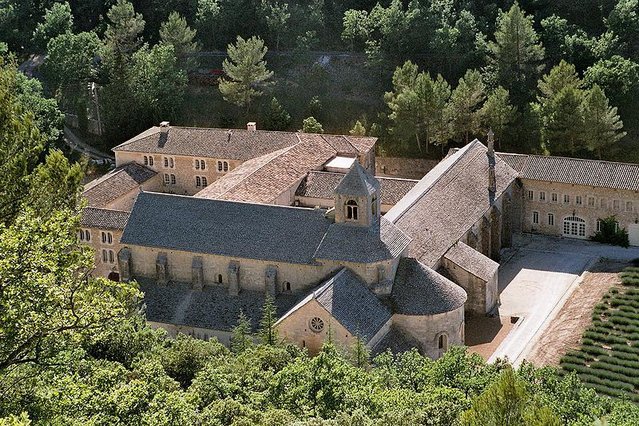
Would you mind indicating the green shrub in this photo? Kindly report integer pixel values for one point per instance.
(610, 233)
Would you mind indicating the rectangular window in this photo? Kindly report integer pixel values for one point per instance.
(226, 166)
(629, 206)
(146, 160)
(105, 256)
(197, 164)
(615, 204)
(203, 164)
(150, 160)
(591, 201)
(566, 199)
(166, 162)
(542, 196)
(578, 200)
(167, 179)
(535, 218)
(553, 197)
(219, 166)
(173, 179)
(204, 182)
(551, 219)
(198, 181)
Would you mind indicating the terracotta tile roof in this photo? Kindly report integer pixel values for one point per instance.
(232, 144)
(419, 290)
(322, 185)
(597, 173)
(472, 261)
(264, 179)
(103, 218)
(116, 183)
(448, 201)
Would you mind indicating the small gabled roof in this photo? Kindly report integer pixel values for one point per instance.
(103, 218)
(576, 171)
(472, 261)
(346, 298)
(419, 290)
(357, 182)
(116, 183)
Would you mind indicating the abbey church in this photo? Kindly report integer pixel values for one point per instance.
(211, 221)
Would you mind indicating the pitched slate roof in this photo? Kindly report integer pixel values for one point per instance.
(264, 179)
(322, 185)
(250, 231)
(103, 218)
(357, 182)
(241, 145)
(448, 201)
(116, 183)
(472, 261)
(255, 231)
(396, 340)
(597, 173)
(210, 308)
(419, 290)
(346, 298)
(362, 244)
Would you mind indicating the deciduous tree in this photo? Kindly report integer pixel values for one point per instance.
(57, 20)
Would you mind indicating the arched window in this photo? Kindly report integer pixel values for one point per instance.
(204, 181)
(87, 235)
(351, 210)
(374, 205)
(198, 180)
(574, 227)
(442, 342)
(203, 164)
(197, 164)
(219, 278)
(150, 160)
(286, 286)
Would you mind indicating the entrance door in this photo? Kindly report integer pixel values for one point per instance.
(574, 227)
(633, 234)
(114, 276)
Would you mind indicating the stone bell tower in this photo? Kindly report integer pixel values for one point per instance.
(357, 200)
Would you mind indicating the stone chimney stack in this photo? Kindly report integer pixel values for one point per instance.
(251, 126)
(492, 180)
(164, 127)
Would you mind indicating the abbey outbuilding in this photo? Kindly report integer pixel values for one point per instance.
(211, 221)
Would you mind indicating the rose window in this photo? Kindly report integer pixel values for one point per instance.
(317, 324)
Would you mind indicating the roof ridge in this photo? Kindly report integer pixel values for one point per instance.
(110, 210)
(460, 153)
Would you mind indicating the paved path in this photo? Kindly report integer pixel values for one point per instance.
(536, 279)
(78, 145)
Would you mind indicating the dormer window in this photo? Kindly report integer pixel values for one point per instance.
(351, 210)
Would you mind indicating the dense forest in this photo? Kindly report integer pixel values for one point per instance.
(554, 77)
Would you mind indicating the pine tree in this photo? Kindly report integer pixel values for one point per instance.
(358, 129)
(311, 125)
(123, 31)
(602, 126)
(246, 72)
(277, 118)
(497, 113)
(176, 32)
(463, 109)
(516, 55)
(241, 334)
(267, 330)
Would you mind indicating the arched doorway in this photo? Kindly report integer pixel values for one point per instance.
(114, 276)
(574, 227)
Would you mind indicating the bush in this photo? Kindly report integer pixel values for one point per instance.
(610, 233)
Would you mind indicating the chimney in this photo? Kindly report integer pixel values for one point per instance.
(229, 133)
(164, 126)
(492, 180)
(251, 126)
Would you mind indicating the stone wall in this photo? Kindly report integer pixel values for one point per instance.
(482, 295)
(407, 168)
(596, 203)
(426, 329)
(184, 170)
(104, 268)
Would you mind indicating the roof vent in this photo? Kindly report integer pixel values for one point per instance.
(251, 126)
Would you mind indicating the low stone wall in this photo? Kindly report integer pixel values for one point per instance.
(407, 168)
